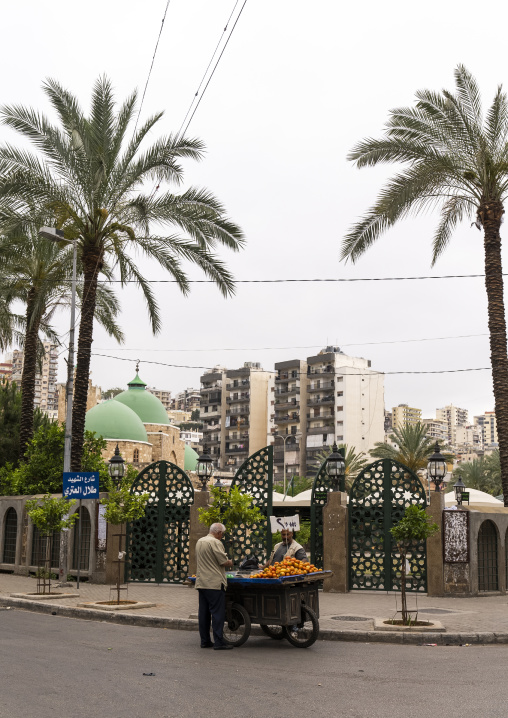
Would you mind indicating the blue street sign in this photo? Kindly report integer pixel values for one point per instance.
(81, 484)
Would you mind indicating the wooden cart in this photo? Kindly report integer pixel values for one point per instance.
(286, 607)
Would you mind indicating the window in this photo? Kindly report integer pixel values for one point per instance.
(340, 393)
(135, 456)
(340, 378)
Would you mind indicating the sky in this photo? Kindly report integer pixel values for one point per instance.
(298, 85)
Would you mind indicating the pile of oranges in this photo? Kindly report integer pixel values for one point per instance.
(287, 567)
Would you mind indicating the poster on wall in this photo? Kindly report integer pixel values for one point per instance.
(456, 536)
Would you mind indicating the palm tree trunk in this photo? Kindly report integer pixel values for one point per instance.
(490, 214)
(91, 268)
(26, 429)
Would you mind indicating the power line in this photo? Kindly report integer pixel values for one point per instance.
(370, 373)
(215, 67)
(151, 66)
(208, 67)
(281, 281)
(310, 346)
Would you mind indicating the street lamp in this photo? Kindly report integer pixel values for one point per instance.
(335, 468)
(284, 438)
(459, 487)
(204, 468)
(436, 467)
(57, 235)
(116, 467)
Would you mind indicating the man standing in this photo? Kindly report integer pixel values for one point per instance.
(212, 562)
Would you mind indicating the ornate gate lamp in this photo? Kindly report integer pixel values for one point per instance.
(116, 467)
(436, 468)
(204, 468)
(336, 468)
(459, 487)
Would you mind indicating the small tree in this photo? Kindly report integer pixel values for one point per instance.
(414, 527)
(49, 514)
(122, 506)
(231, 509)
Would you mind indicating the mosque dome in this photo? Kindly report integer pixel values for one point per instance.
(146, 405)
(114, 420)
(191, 458)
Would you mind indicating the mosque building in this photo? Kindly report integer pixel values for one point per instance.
(138, 423)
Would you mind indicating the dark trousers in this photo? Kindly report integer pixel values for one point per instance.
(212, 609)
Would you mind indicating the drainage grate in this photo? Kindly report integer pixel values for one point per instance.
(435, 610)
(350, 618)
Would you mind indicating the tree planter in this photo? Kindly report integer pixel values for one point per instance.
(385, 624)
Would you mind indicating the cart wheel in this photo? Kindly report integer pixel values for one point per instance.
(304, 633)
(274, 632)
(237, 625)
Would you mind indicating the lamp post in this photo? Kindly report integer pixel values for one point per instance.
(116, 470)
(57, 235)
(436, 467)
(204, 468)
(335, 468)
(284, 438)
(459, 487)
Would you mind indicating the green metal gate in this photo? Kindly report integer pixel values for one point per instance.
(255, 477)
(320, 488)
(158, 543)
(377, 500)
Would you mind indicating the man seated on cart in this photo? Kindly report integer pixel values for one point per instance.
(287, 548)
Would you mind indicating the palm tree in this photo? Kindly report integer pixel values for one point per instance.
(456, 159)
(483, 474)
(92, 176)
(37, 272)
(411, 446)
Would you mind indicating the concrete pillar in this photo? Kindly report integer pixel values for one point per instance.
(112, 543)
(435, 564)
(335, 542)
(197, 529)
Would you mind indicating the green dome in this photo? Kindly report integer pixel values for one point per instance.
(149, 409)
(190, 459)
(113, 420)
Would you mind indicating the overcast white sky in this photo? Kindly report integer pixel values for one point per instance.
(298, 85)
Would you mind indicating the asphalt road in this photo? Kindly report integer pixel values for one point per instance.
(59, 667)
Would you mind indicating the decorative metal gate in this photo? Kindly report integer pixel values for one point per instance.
(320, 488)
(255, 477)
(377, 500)
(158, 543)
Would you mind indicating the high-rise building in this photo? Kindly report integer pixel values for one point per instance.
(404, 415)
(212, 413)
(488, 425)
(291, 399)
(187, 400)
(345, 403)
(46, 390)
(454, 417)
(436, 430)
(163, 395)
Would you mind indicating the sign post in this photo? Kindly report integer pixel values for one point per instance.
(277, 523)
(80, 485)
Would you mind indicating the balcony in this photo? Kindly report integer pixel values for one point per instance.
(321, 386)
(238, 450)
(211, 427)
(284, 390)
(320, 370)
(326, 428)
(287, 418)
(243, 384)
(238, 398)
(209, 387)
(330, 399)
(241, 411)
(286, 404)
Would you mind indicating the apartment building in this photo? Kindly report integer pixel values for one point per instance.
(5, 370)
(187, 400)
(46, 390)
(454, 417)
(469, 438)
(404, 415)
(290, 434)
(345, 403)
(163, 395)
(437, 430)
(488, 427)
(212, 413)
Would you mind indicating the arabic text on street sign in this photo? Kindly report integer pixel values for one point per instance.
(81, 484)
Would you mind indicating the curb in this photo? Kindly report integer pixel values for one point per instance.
(188, 624)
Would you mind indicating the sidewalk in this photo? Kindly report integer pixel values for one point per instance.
(343, 617)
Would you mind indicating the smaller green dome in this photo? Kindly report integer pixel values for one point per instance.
(114, 420)
(190, 459)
